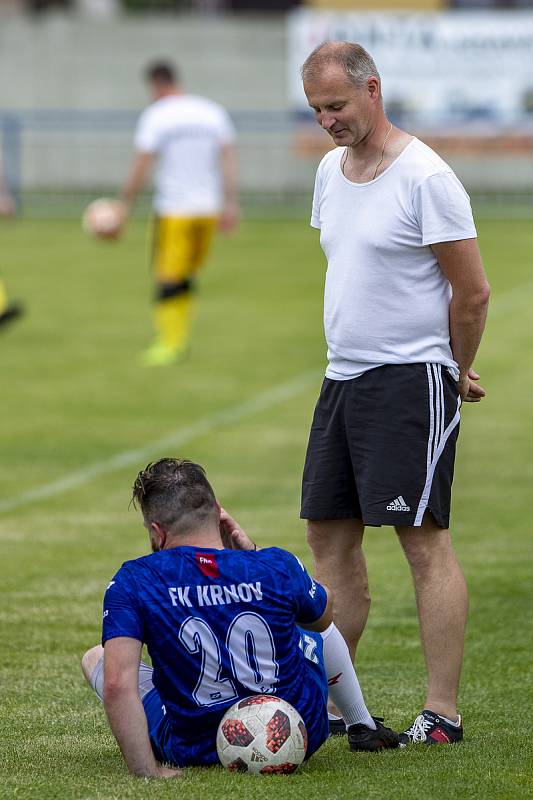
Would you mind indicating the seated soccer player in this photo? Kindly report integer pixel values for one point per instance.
(222, 620)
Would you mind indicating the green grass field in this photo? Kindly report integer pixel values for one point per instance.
(79, 418)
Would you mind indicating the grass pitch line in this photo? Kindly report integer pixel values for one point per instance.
(500, 306)
(179, 437)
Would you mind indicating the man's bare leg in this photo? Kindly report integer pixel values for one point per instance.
(442, 603)
(340, 565)
(90, 660)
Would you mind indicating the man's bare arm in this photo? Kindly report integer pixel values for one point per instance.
(461, 264)
(124, 709)
(140, 169)
(230, 209)
(7, 204)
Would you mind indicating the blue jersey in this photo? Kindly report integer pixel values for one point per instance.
(220, 625)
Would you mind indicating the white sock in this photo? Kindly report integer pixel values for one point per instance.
(344, 687)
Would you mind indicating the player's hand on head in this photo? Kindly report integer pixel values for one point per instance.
(232, 535)
(470, 391)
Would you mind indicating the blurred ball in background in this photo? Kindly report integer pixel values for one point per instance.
(103, 218)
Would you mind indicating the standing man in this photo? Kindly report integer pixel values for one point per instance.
(219, 618)
(405, 306)
(192, 140)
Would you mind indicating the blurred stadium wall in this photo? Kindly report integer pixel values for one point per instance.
(73, 89)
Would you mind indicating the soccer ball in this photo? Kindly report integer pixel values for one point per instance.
(262, 734)
(103, 218)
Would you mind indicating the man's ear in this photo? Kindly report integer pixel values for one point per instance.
(158, 536)
(373, 88)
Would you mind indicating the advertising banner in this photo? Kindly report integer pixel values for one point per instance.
(443, 67)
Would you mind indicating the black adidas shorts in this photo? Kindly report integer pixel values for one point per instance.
(382, 447)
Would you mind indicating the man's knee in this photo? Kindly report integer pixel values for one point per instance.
(90, 660)
(335, 539)
(427, 547)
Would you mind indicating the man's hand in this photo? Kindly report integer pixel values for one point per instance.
(229, 217)
(470, 392)
(232, 535)
(122, 211)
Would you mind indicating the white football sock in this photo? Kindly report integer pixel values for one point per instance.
(344, 687)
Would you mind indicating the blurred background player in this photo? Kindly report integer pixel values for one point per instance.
(192, 139)
(8, 311)
(203, 602)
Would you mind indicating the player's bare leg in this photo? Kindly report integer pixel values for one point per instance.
(442, 603)
(340, 564)
(90, 660)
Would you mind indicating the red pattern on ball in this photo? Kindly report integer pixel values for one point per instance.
(237, 733)
(257, 700)
(279, 769)
(238, 765)
(278, 731)
(303, 731)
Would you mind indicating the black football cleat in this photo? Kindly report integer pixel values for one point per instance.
(11, 313)
(429, 728)
(337, 727)
(365, 739)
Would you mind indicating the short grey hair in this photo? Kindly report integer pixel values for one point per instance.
(356, 62)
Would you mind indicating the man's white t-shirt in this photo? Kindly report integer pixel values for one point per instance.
(386, 298)
(186, 132)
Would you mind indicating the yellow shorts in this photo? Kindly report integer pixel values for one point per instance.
(180, 246)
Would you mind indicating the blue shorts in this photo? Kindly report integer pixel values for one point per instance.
(313, 711)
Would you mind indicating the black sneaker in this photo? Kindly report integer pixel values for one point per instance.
(429, 728)
(10, 313)
(337, 727)
(361, 737)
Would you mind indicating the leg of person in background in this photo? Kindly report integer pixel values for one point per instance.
(181, 245)
(8, 311)
(92, 666)
(365, 732)
(442, 604)
(173, 320)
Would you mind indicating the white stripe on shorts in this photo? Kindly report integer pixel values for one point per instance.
(437, 435)
(431, 420)
(439, 405)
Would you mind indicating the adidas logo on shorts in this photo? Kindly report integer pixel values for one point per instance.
(398, 505)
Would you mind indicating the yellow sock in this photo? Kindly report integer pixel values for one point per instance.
(3, 297)
(173, 319)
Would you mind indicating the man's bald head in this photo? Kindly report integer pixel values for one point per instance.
(356, 63)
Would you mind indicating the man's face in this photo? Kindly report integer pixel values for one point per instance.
(343, 109)
(157, 90)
